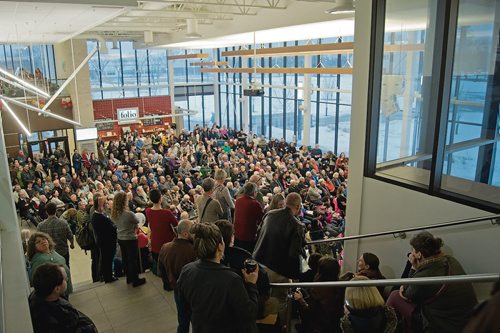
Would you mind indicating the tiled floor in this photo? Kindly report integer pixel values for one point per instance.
(118, 307)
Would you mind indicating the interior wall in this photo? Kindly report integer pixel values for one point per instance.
(378, 206)
(154, 105)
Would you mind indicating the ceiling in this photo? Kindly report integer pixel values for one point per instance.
(54, 21)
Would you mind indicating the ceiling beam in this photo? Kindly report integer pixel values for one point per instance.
(209, 63)
(219, 4)
(187, 10)
(331, 48)
(188, 56)
(293, 50)
(279, 70)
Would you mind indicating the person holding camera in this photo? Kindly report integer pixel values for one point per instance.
(219, 300)
(321, 308)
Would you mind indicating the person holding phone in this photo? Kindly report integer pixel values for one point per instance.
(219, 299)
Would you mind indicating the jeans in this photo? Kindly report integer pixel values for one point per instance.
(130, 258)
(183, 313)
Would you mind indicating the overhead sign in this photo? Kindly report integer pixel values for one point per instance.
(128, 115)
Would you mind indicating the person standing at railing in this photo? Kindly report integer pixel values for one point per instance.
(443, 308)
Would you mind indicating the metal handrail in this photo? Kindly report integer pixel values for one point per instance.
(495, 219)
(489, 277)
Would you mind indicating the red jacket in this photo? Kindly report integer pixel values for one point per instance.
(161, 223)
(248, 215)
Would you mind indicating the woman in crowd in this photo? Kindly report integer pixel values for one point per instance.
(219, 300)
(322, 311)
(126, 224)
(443, 308)
(41, 251)
(365, 311)
(277, 201)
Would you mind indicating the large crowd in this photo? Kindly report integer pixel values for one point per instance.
(218, 214)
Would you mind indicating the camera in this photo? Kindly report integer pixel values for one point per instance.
(250, 265)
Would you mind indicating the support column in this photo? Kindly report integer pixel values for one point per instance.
(179, 120)
(68, 56)
(245, 105)
(15, 314)
(306, 107)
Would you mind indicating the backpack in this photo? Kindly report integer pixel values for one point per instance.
(85, 236)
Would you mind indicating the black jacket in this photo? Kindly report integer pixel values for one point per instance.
(58, 317)
(219, 299)
(104, 230)
(280, 243)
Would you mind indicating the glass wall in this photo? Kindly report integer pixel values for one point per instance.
(33, 63)
(434, 119)
(126, 72)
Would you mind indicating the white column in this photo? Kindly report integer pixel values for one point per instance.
(216, 100)
(68, 56)
(245, 105)
(179, 121)
(362, 31)
(15, 314)
(408, 99)
(306, 107)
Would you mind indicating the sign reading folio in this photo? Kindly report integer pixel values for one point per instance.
(128, 115)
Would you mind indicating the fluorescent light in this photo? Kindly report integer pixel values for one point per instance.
(24, 83)
(6, 106)
(33, 108)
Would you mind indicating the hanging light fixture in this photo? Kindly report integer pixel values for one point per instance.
(6, 106)
(341, 7)
(34, 108)
(192, 29)
(25, 84)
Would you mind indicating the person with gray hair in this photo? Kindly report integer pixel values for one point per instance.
(248, 215)
(221, 193)
(173, 257)
(209, 208)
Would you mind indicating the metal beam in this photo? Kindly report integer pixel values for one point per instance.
(71, 77)
(33, 108)
(207, 3)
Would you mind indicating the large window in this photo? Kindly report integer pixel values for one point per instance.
(126, 72)
(434, 118)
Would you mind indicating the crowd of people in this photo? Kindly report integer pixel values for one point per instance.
(218, 214)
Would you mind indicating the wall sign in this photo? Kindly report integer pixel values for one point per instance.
(127, 115)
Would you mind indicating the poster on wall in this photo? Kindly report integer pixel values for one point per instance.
(127, 115)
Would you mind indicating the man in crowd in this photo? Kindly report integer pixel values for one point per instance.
(173, 256)
(248, 215)
(49, 311)
(59, 230)
(279, 245)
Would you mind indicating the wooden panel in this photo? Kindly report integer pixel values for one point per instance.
(210, 63)
(188, 56)
(403, 47)
(288, 70)
(331, 48)
(293, 50)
